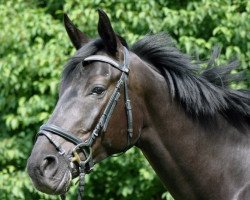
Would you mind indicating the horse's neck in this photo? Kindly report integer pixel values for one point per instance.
(183, 154)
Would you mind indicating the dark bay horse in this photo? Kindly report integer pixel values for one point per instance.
(190, 126)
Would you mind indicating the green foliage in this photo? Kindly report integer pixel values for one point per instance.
(125, 177)
(34, 48)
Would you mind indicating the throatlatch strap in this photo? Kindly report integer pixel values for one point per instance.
(128, 110)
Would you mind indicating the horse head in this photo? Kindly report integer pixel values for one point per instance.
(95, 113)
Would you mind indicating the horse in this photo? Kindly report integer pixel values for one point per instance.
(191, 127)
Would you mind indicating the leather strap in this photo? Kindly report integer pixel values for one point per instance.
(108, 60)
(61, 132)
(123, 68)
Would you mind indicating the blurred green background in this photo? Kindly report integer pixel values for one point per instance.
(34, 47)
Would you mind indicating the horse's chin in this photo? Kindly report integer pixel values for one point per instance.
(55, 186)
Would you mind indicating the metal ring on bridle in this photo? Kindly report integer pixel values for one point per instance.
(76, 156)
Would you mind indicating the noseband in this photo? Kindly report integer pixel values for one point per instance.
(85, 147)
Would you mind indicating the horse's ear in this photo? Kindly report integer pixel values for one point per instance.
(107, 34)
(77, 37)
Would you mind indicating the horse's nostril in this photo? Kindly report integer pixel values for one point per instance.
(49, 165)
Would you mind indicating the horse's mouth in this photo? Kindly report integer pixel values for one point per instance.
(64, 184)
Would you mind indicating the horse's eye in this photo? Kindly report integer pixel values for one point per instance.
(98, 90)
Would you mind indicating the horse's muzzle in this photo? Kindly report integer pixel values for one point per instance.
(49, 173)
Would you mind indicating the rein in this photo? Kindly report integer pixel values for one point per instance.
(85, 147)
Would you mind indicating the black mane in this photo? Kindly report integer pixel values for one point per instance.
(202, 95)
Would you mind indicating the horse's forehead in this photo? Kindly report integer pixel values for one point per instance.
(100, 68)
(97, 68)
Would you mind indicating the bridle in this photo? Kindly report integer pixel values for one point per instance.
(85, 147)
